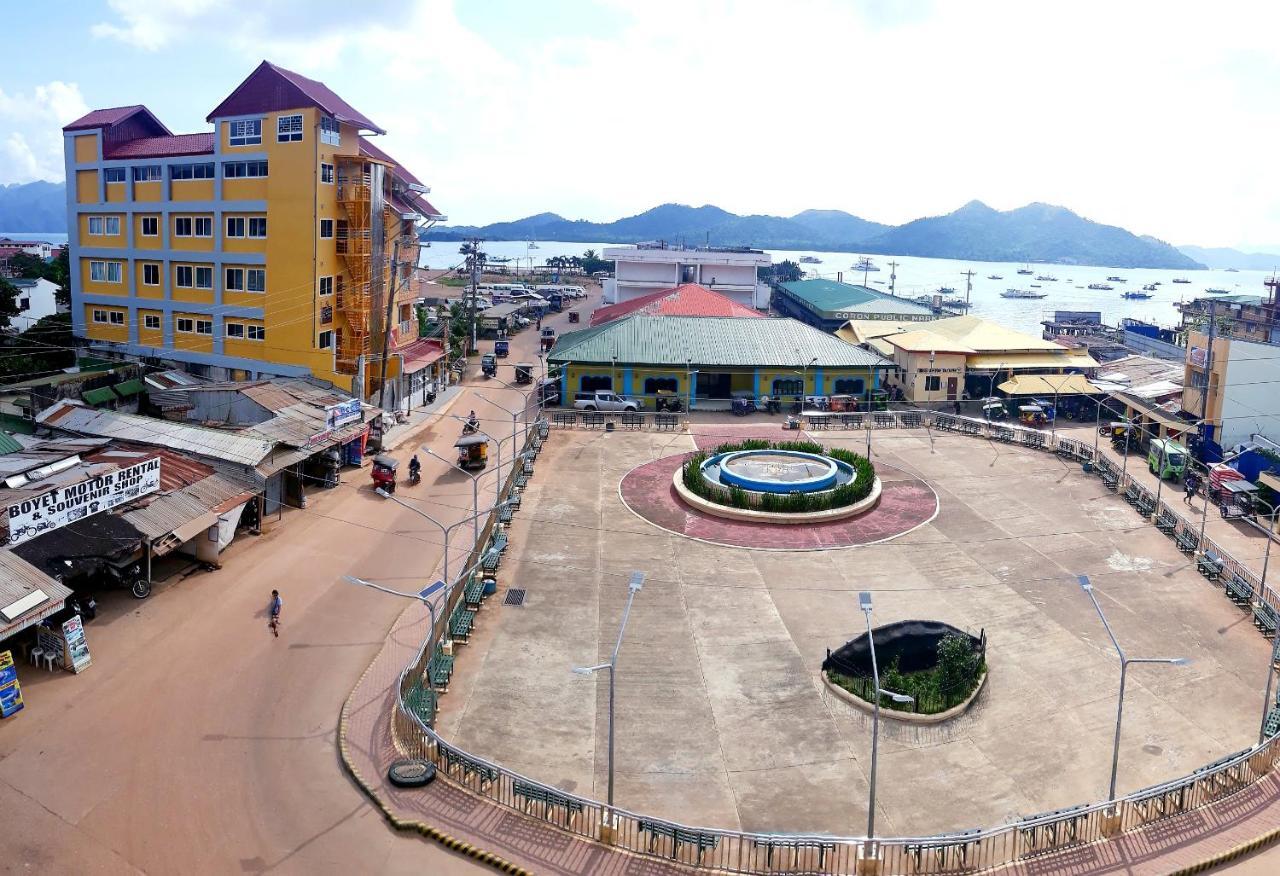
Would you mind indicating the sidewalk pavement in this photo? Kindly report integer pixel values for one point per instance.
(399, 433)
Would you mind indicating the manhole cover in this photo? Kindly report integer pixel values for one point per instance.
(515, 596)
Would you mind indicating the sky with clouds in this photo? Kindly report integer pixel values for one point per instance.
(1159, 117)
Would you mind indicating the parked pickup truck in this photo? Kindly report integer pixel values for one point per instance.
(603, 400)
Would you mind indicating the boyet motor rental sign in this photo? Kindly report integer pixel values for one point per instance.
(62, 505)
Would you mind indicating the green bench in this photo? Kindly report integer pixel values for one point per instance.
(505, 513)
(911, 420)
(665, 422)
(947, 850)
(679, 836)
(531, 793)
(1146, 504)
(528, 466)
(1271, 726)
(1264, 618)
(440, 669)
(469, 766)
(1166, 522)
(489, 563)
(797, 847)
(513, 500)
(1033, 439)
(461, 623)
(421, 701)
(565, 419)
(1110, 479)
(1186, 541)
(1132, 493)
(1210, 565)
(473, 593)
(851, 421)
(499, 542)
(522, 481)
(1239, 590)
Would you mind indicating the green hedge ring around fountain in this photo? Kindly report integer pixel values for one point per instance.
(857, 488)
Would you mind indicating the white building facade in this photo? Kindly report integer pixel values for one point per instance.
(35, 300)
(640, 270)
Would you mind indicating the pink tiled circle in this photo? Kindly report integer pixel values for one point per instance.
(905, 503)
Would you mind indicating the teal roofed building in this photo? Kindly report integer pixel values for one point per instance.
(827, 304)
(707, 361)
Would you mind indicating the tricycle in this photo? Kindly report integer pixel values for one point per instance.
(1032, 415)
(384, 472)
(473, 451)
(488, 365)
(524, 372)
(743, 406)
(573, 316)
(501, 349)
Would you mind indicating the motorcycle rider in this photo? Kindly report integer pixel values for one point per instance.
(473, 422)
(415, 469)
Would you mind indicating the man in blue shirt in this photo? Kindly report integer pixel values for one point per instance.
(275, 613)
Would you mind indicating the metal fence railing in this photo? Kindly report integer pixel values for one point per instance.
(767, 853)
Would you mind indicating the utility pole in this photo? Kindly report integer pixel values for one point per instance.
(968, 290)
(893, 277)
(475, 264)
(386, 326)
(1208, 365)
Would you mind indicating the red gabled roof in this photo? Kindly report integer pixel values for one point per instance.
(105, 118)
(270, 88)
(413, 200)
(158, 147)
(687, 299)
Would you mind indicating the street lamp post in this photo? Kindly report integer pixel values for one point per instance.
(445, 531)
(864, 602)
(633, 587)
(1275, 648)
(515, 415)
(1125, 660)
(475, 490)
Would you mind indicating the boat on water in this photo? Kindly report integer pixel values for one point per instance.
(500, 260)
(1027, 271)
(810, 260)
(1136, 295)
(1181, 280)
(865, 264)
(946, 290)
(1233, 270)
(1023, 293)
(1035, 285)
(1218, 291)
(881, 282)
(1116, 280)
(1045, 278)
(1150, 287)
(1103, 286)
(994, 277)
(955, 305)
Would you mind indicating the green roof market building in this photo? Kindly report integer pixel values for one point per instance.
(827, 305)
(708, 360)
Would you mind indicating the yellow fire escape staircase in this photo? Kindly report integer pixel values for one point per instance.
(354, 243)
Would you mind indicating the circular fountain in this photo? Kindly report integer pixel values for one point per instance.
(774, 485)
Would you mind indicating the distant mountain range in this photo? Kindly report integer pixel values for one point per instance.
(1224, 257)
(1034, 233)
(35, 206)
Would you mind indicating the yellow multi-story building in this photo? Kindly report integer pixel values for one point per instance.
(268, 246)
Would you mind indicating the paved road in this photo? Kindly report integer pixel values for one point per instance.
(196, 742)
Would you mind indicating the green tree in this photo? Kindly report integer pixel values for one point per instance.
(592, 263)
(958, 667)
(8, 302)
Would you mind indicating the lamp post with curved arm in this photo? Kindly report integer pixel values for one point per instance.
(475, 491)
(864, 603)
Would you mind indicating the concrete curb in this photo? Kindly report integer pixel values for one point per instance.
(408, 825)
(1229, 855)
(750, 515)
(907, 717)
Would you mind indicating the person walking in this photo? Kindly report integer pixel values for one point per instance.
(1189, 484)
(274, 623)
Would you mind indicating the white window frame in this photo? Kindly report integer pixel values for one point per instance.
(234, 330)
(208, 226)
(151, 320)
(227, 281)
(177, 276)
(249, 275)
(155, 225)
(256, 332)
(177, 226)
(99, 223)
(289, 128)
(116, 317)
(261, 221)
(190, 321)
(232, 223)
(100, 316)
(326, 282)
(121, 172)
(204, 326)
(244, 132)
(244, 166)
(330, 131)
(328, 236)
(205, 271)
(110, 222)
(148, 173)
(150, 266)
(115, 274)
(326, 173)
(325, 340)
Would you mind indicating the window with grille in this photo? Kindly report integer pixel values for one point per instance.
(330, 131)
(849, 386)
(788, 386)
(245, 132)
(289, 129)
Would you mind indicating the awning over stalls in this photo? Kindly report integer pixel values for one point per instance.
(27, 595)
(1018, 361)
(1049, 384)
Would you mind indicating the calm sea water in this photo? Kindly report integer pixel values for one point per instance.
(918, 276)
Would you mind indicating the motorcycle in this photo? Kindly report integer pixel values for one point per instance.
(415, 476)
(470, 427)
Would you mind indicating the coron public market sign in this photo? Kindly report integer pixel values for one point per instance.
(62, 505)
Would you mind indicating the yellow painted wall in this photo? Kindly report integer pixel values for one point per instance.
(190, 293)
(191, 341)
(191, 189)
(86, 148)
(150, 337)
(102, 240)
(115, 193)
(245, 188)
(104, 331)
(87, 186)
(141, 241)
(104, 288)
(147, 191)
(246, 243)
(243, 346)
(193, 243)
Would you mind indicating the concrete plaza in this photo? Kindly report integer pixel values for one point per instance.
(722, 718)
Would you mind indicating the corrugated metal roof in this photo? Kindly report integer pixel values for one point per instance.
(1048, 385)
(687, 299)
(19, 579)
(163, 147)
(829, 297)
(100, 396)
(171, 512)
(168, 379)
(270, 88)
(710, 341)
(104, 118)
(228, 446)
(8, 444)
